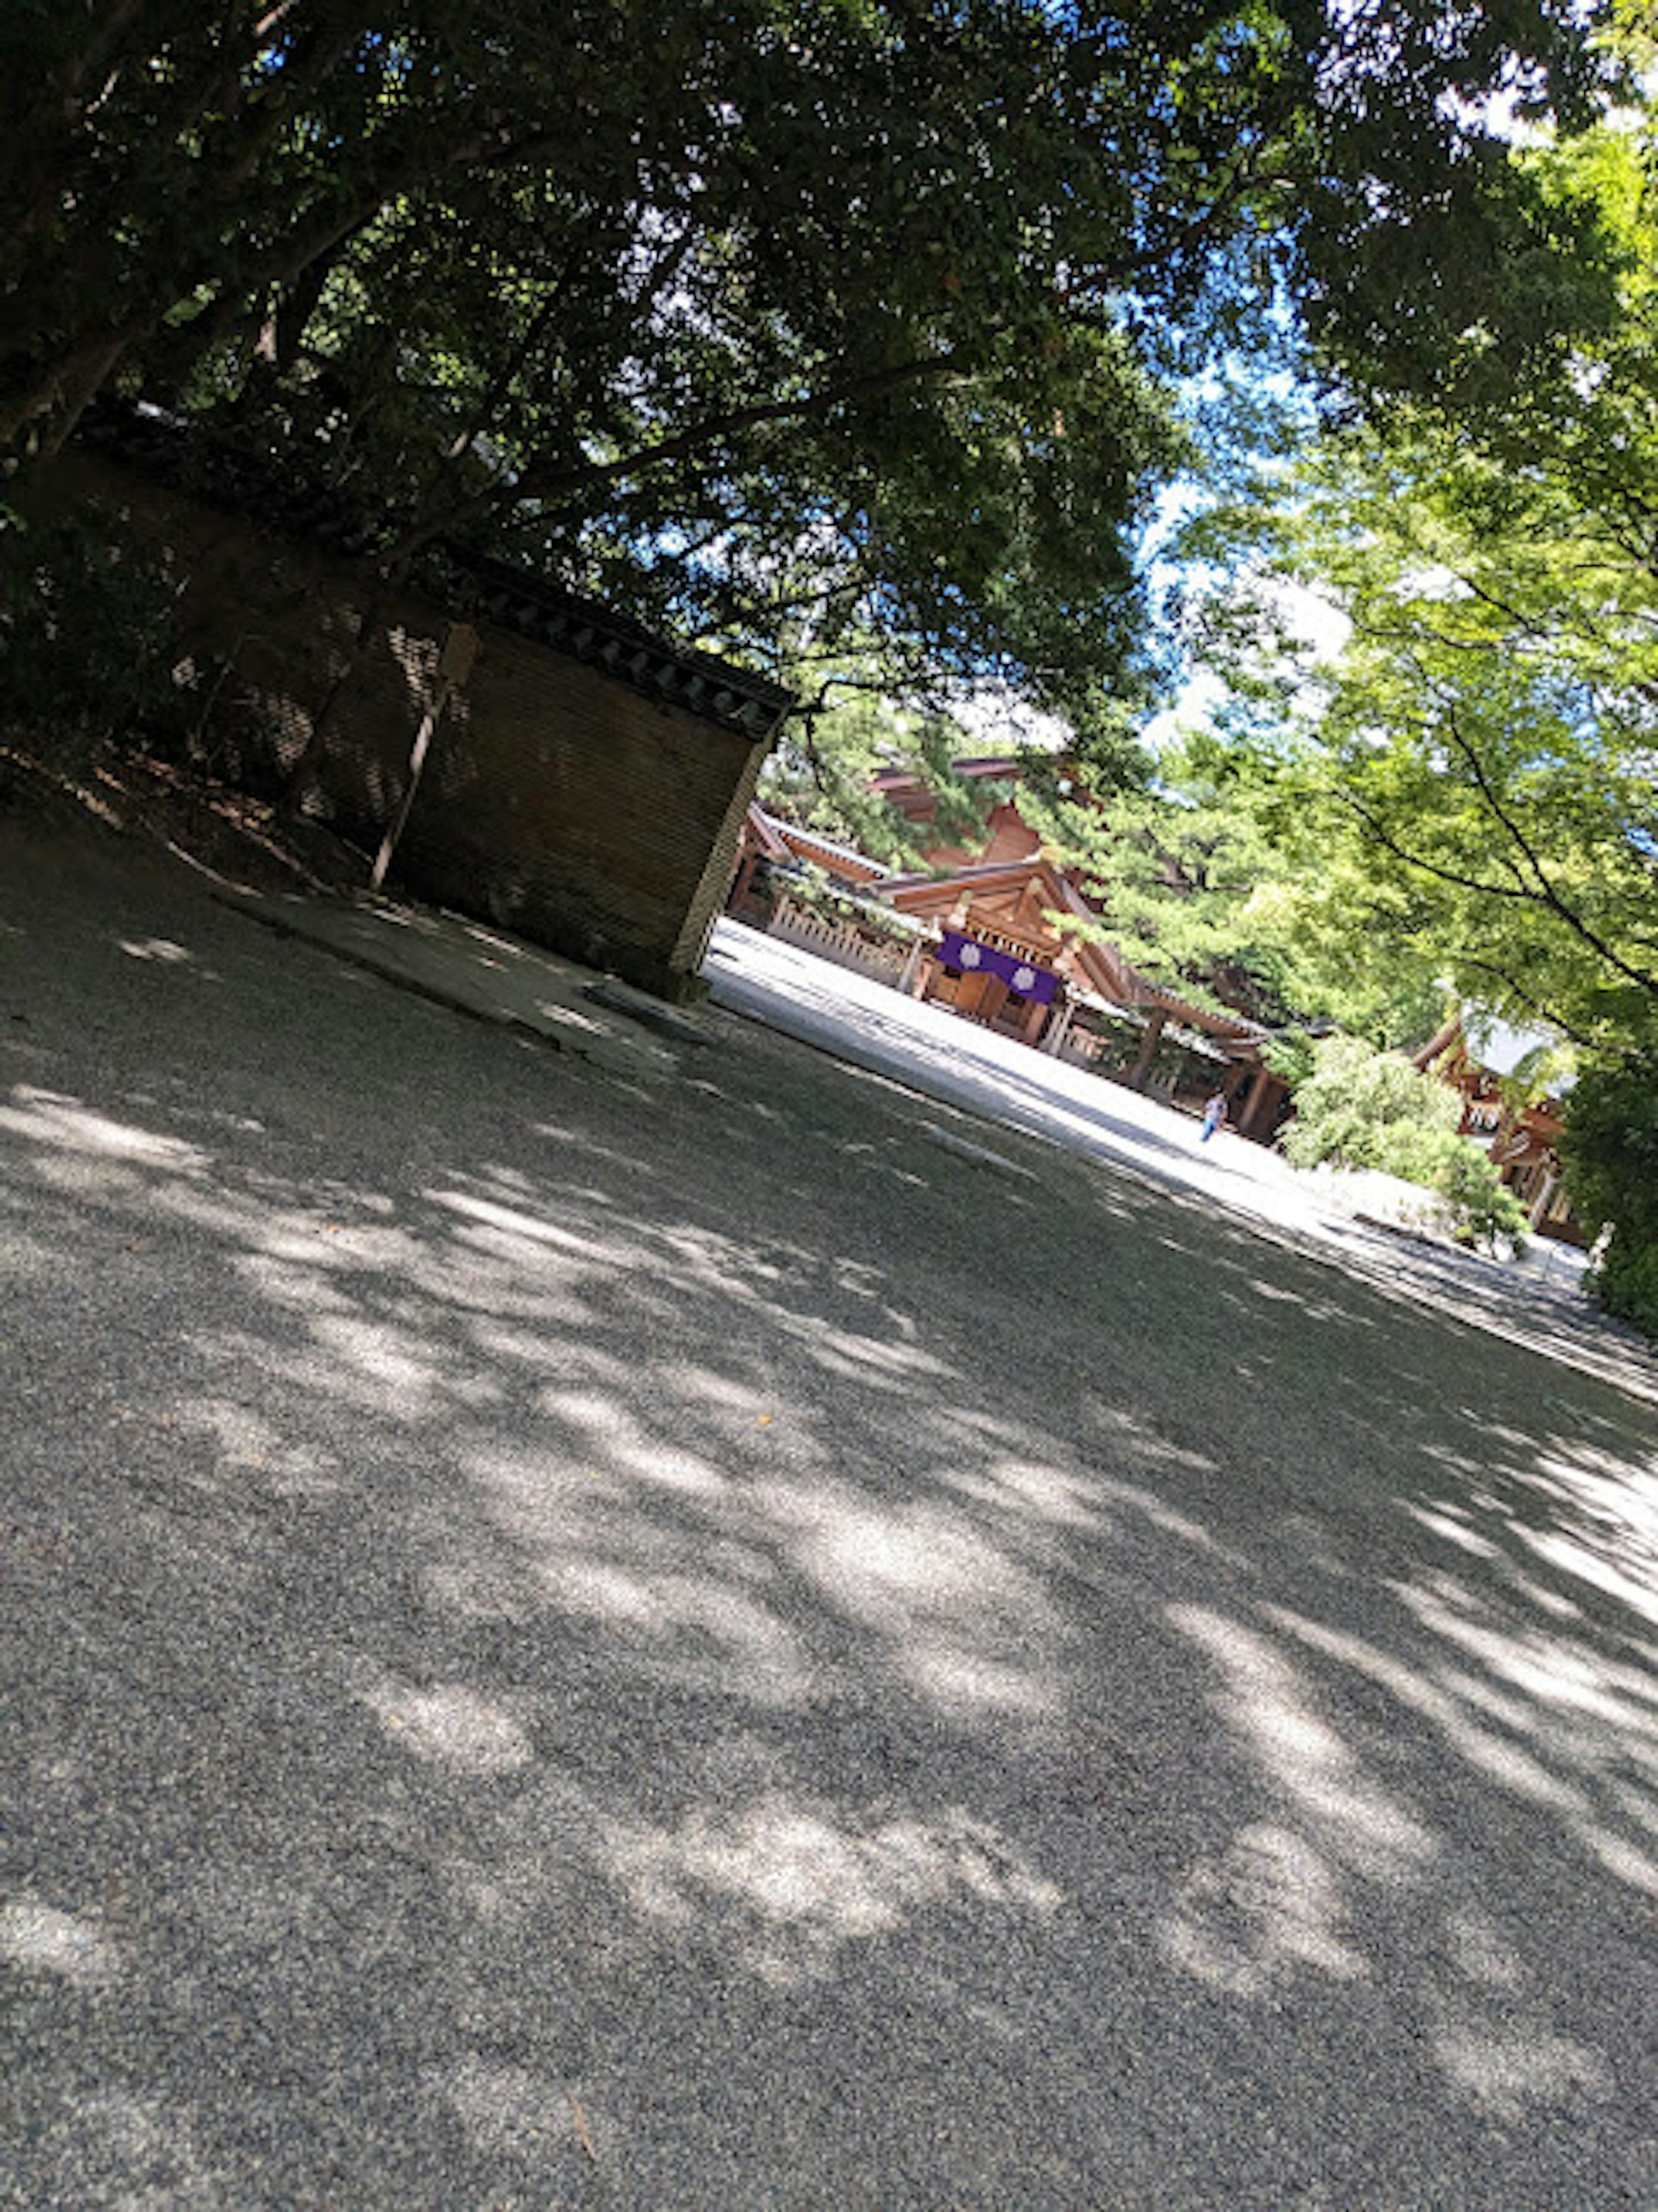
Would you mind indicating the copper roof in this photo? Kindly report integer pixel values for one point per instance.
(1132, 987)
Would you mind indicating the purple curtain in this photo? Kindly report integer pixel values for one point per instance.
(975, 959)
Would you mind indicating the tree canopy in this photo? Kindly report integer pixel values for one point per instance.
(1466, 786)
(1176, 867)
(1455, 788)
(822, 329)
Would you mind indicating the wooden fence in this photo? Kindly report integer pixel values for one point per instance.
(839, 942)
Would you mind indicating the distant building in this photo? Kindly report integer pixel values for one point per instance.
(1475, 1054)
(978, 932)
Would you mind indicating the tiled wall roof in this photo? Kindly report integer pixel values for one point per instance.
(275, 495)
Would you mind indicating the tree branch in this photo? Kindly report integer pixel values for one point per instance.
(1547, 896)
(1459, 882)
(1539, 1007)
(585, 476)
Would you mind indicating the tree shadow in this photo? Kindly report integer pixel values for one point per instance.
(601, 1647)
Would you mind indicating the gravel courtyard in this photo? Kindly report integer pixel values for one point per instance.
(679, 1641)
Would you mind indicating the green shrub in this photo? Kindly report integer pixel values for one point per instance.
(1624, 1282)
(1610, 1154)
(1415, 1152)
(1364, 1108)
(1484, 1212)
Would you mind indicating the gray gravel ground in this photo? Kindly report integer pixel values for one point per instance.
(997, 1080)
(587, 1642)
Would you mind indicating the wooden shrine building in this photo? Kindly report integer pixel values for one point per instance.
(1477, 1058)
(984, 937)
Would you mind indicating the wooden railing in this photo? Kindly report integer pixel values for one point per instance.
(839, 942)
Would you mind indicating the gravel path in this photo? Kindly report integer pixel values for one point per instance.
(995, 1078)
(585, 1642)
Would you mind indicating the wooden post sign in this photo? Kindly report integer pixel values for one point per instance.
(460, 650)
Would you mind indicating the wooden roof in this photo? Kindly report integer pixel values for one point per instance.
(782, 841)
(1014, 898)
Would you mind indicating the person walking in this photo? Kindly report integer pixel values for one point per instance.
(1214, 1113)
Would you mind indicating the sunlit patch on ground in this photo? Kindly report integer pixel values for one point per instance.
(807, 1881)
(36, 1937)
(452, 1725)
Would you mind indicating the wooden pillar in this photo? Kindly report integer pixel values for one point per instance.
(1058, 1027)
(1142, 1066)
(1261, 1089)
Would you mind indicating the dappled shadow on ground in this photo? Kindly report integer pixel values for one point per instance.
(582, 1647)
